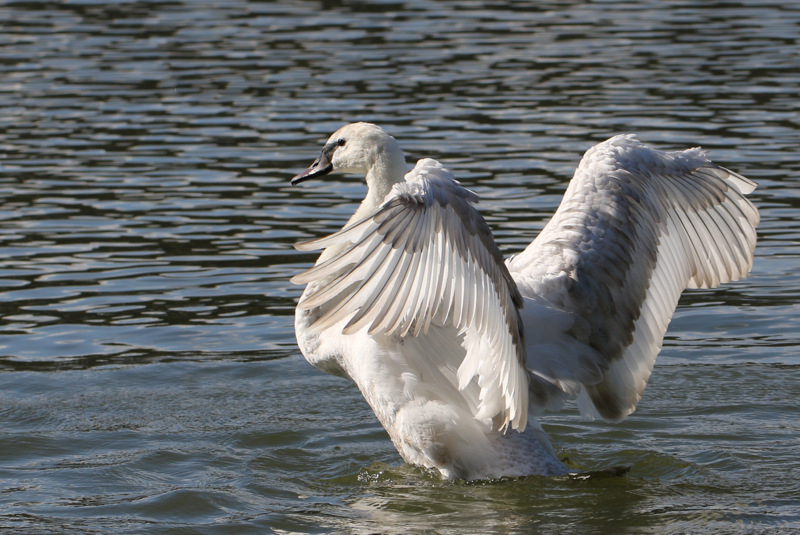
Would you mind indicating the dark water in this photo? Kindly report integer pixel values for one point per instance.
(149, 378)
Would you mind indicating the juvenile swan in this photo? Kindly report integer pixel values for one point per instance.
(455, 348)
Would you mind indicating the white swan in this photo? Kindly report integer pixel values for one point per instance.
(455, 349)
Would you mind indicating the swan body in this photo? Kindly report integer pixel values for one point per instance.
(456, 348)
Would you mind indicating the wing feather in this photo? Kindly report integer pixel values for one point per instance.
(425, 260)
(635, 228)
(387, 270)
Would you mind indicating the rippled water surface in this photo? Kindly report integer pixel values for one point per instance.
(149, 377)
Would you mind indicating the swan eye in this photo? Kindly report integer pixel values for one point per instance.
(341, 142)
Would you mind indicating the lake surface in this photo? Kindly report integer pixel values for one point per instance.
(149, 377)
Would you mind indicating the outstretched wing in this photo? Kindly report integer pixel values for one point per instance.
(426, 260)
(635, 228)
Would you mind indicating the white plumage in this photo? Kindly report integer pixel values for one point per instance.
(455, 348)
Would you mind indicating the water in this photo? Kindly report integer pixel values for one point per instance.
(149, 378)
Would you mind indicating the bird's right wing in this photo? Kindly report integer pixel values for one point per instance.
(425, 260)
(635, 228)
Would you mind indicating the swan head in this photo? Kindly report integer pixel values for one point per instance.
(361, 148)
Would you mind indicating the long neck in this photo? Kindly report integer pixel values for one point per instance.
(389, 169)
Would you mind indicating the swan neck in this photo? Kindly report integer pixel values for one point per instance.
(388, 169)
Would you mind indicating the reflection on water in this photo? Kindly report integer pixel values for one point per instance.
(150, 375)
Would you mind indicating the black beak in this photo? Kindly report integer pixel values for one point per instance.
(321, 166)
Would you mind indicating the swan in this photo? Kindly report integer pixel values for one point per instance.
(457, 349)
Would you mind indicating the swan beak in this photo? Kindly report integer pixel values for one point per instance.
(321, 166)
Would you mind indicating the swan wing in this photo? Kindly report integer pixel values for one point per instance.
(419, 265)
(635, 228)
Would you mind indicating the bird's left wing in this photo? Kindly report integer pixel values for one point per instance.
(426, 259)
(635, 228)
